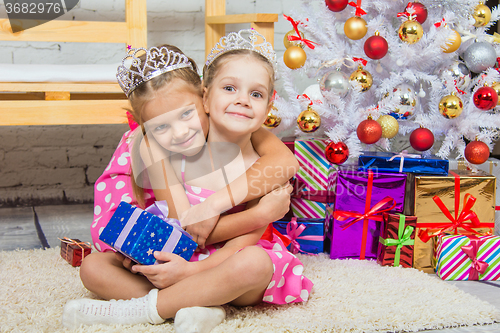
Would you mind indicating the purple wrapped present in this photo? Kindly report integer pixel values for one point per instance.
(360, 199)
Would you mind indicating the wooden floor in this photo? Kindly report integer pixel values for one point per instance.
(18, 230)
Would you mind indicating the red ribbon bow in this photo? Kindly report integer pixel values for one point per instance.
(304, 96)
(295, 25)
(477, 266)
(357, 4)
(363, 61)
(457, 220)
(375, 213)
(293, 231)
(460, 91)
(440, 23)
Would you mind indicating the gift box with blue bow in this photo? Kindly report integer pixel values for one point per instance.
(138, 233)
(403, 162)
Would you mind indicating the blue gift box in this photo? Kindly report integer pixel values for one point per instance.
(390, 162)
(306, 235)
(137, 234)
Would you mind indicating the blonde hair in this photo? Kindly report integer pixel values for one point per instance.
(211, 71)
(147, 92)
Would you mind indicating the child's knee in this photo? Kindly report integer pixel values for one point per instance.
(92, 266)
(255, 264)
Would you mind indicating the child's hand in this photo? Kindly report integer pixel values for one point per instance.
(126, 262)
(197, 224)
(173, 269)
(275, 204)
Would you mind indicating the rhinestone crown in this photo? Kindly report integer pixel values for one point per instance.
(132, 72)
(247, 39)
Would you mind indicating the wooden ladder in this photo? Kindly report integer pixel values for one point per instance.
(216, 20)
(56, 105)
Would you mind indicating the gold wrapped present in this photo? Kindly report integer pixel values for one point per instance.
(461, 203)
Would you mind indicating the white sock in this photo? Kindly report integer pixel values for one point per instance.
(198, 319)
(134, 311)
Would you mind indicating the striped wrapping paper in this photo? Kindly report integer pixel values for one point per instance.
(454, 264)
(314, 178)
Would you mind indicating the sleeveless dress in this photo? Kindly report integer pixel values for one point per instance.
(288, 284)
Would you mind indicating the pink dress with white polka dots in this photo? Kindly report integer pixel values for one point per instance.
(112, 187)
(288, 284)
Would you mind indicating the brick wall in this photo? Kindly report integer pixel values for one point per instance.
(59, 164)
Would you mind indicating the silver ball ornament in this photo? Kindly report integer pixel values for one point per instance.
(404, 96)
(459, 73)
(479, 56)
(335, 82)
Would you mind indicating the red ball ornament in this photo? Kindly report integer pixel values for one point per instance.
(477, 152)
(485, 98)
(421, 139)
(376, 47)
(369, 131)
(337, 152)
(420, 11)
(336, 5)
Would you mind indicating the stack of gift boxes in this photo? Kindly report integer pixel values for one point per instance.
(400, 209)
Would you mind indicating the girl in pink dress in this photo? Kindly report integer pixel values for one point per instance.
(237, 89)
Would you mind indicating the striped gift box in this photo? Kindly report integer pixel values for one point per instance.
(314, 178)
(454, 253)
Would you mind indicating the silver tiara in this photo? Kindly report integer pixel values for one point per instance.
(243, 40)
(132, 73)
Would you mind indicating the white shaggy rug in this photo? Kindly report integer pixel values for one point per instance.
(348, 296)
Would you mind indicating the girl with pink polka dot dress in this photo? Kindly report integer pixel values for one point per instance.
(238, 266)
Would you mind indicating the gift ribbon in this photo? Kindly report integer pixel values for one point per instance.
(370, 214)
(293, 232)
(457, 220)
(271, 231)
(357, 4)
(477, 266)
(402, 155)
(440, 23)
(70, 241)
(363, 61)
(404, 238)
(295, 25)
(160, 209)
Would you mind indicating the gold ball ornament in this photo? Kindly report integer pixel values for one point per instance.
(272, 121)
(451, 106)
(452, 43)
(410, 31)
(309, 120)
(355, 28)
(496, 87)
(294, 57)
(390, 126)
(363, 77)
(482, 15)
(288, 43)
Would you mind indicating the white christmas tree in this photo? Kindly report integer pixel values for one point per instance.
(415, 84)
